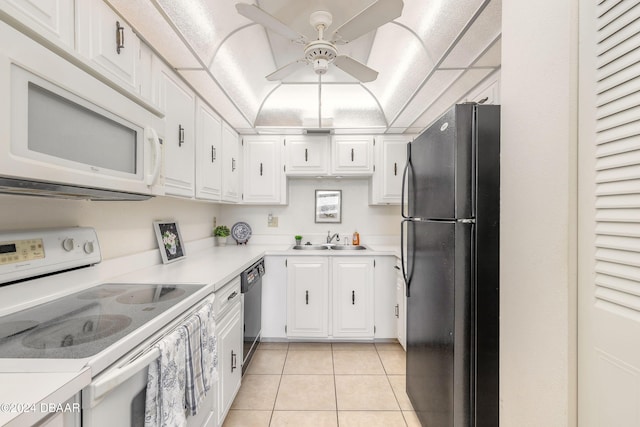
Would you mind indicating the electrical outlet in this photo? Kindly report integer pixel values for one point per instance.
(272, 221)
(215, 222)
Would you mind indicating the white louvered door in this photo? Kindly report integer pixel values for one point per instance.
(609, 215)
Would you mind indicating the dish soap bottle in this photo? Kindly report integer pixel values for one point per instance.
(356, 239)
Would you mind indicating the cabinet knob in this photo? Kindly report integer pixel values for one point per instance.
(119, 37)
(180, 135)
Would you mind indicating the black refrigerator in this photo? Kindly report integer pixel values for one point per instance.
(451, 227)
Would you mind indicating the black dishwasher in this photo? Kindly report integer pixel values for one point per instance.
(251, 280)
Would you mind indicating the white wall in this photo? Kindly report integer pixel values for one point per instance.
(123, 227)
(372, 222)
(538, 214)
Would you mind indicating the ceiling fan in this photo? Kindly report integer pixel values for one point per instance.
(322, 52)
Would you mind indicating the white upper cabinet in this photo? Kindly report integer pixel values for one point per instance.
(208, 153)
(52, 19)
(488, 92)
(179, 135)
(390, 160)
(306, 155)
(108, 42)
(263, 172)
(352, 155)
(230, 165)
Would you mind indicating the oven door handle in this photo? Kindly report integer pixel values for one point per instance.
(97, 389)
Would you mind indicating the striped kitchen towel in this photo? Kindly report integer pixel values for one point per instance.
(209, 345)
(165, 399)
(194, 388)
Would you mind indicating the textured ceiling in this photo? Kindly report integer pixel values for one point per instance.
(427, 59)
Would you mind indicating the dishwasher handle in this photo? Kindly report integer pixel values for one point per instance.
(97, 389)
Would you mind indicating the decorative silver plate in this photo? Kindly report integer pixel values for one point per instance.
(241, 232)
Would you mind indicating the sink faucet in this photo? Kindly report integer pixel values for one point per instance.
(330, 237)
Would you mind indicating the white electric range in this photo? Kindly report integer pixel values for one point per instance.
(109, 327)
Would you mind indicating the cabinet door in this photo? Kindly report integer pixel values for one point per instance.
(53, 19)
(107, 42)
(274, 298)
(391, 157)
(307, 297)
(307, 155)
(230, 165)
(401, 304)
(262, 166)
(229, 360)
(353, 285)
(352, 155)
(179, 137)
(488, 92)
(208, 153)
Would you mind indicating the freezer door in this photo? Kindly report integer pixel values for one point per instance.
(440, 167)
(439, 322)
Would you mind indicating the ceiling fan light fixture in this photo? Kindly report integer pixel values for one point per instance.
(320, 66)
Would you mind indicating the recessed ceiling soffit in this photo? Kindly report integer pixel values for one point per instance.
(425, 58)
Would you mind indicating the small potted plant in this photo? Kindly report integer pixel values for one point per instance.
(221, 233)
(298, 239)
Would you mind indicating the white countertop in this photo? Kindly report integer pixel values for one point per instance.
(26, 398)
(213, 266)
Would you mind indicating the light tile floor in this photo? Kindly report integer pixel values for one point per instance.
(324, 384)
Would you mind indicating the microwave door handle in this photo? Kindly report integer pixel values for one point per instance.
(106, 383)
(152, 136)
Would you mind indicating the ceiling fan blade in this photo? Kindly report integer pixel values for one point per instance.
(356, 68)
(379, 13)
(288, 69)
(268, 21)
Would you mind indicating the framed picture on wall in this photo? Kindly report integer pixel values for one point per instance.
(329, 206)
(169, 241)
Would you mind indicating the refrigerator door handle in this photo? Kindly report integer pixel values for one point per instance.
(407, 280)
(404, 179)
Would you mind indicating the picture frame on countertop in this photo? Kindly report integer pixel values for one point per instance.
(170, 241)
(328, 206)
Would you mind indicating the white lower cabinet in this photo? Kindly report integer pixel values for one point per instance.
(401, 306)
(307, 297)
(274, 298)
(229, 335)
(352, 283)
(335, 297)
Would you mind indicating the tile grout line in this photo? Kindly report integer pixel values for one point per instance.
(286, 356)
(392, 389)
(335, 385)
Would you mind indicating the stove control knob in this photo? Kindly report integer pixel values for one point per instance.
(68, 244)
(88, 247)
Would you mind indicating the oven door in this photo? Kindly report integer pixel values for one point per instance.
(117, 396)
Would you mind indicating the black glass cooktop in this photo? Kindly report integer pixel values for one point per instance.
(83, 324)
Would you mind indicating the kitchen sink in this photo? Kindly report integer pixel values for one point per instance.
(348, 248)
(332, 247)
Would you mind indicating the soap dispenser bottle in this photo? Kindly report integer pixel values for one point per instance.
(356, 238)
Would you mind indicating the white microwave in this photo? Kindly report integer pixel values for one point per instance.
(61, 125)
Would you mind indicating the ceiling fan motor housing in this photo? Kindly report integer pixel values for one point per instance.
(320, 53)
